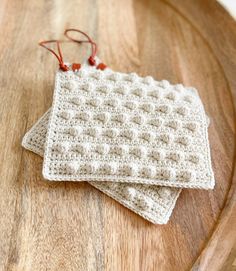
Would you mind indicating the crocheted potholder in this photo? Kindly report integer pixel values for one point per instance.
(152, 202)
(111, 126)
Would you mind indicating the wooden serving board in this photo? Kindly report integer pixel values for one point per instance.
(72, 226)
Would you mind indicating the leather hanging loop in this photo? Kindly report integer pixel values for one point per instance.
(74, 66)
(59, 56)
(91, 59)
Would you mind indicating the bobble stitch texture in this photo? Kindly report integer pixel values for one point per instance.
(129, 193)
(144, 203)
(121, 118)
(111, 133)
(157, 155)
(121, 90)
(185, 175)
(97, 75)
(71, 168)
(84, 116)
(102, 149)
(132, 77)
(103, 89)
(191, 126)
(107, 169)
(164, 192)
(77, 101)
(128, 134)
(153, 118)
(70, 85)
(82, 148)
(165, 138)
(173, 124)
(130, 105)
(138, 92)
(147, 136)
(165, 84)
(154, 94)
(95, 102)
(194, 159)
(202, 174)
(166, 174)
(93, 131)
(148, 172)
(163, 109)
(148, 80)
(62, 147)
(175, 156)
(171, 96)
(82, 73)
(119, 150)
(67, 114)
(114, 77)
(138, 119)
(147, 107)
(179, 88)
(139, 152)
(87, 87)
(103, 117)
(155, 122)
(90, 168)
(183, 140)
(188, 99)
(128, 170)
(112, 103)
(182, 111)
(75, 131)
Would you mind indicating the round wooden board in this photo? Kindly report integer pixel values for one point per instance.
(72, 226)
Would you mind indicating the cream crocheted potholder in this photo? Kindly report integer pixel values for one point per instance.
(111, 126)
(154, 203)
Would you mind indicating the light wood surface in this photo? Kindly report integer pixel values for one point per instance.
(72, 226)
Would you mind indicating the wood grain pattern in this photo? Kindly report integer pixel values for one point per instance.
(70, 226)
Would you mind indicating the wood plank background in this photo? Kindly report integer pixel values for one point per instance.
(69, 226)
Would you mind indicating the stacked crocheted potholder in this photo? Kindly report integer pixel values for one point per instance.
(136, 139)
